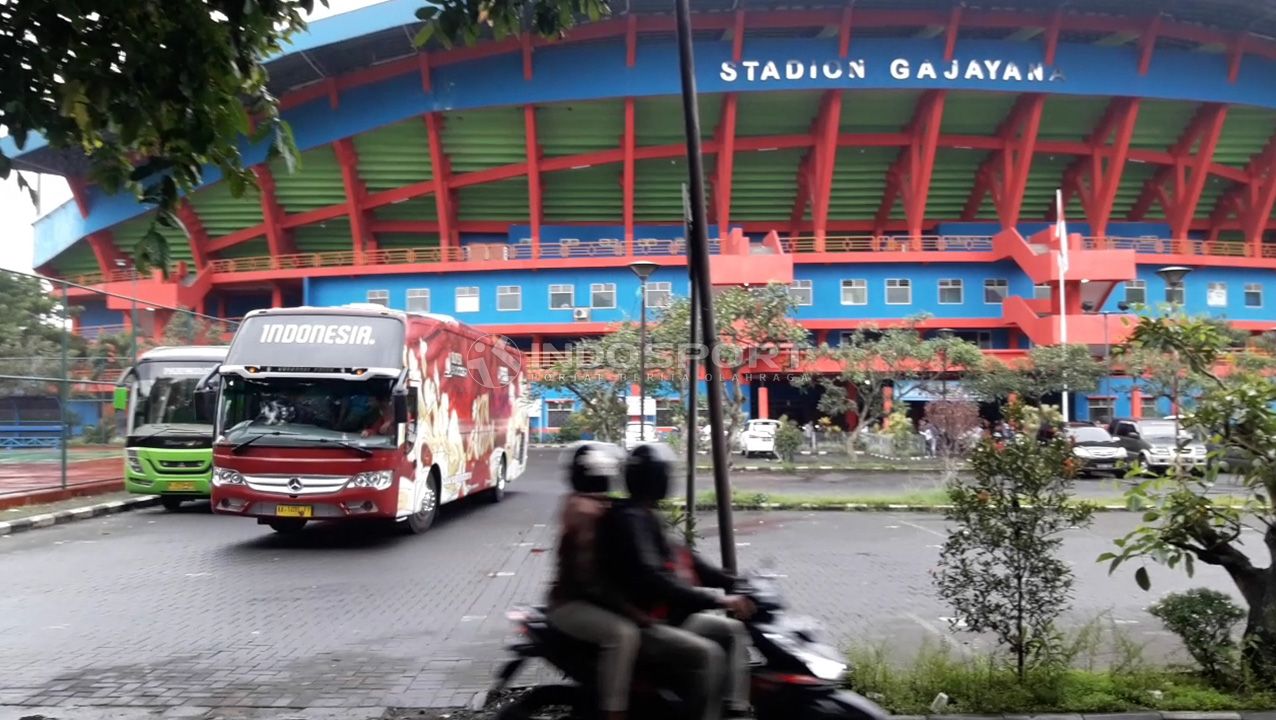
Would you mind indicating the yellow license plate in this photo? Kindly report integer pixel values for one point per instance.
(299, 511)
(181, 487)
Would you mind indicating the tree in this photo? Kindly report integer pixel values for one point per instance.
(1183, 523)
(187, 328)
(598, 372)
(953, 421)
(1000, 568)
(150, 91)
(466, 20)
(1048, 369)
(756, 330)
(33, 323)
(870, 359)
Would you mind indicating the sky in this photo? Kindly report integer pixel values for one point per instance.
(17, 213)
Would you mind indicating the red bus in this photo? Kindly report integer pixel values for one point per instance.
(362, 412)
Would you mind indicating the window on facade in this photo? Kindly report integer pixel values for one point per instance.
(1216, 294)
(467, 299)
(801, 292)
(855, 292)
(557, 412)
(602, 296)
(996, 290)
(1102, 409)
(659, 294)
(950, 291)
(1174, 293)
(562, 297)
(667, 411)
(1253, 295)
(419, 300)
(509, 298)
(1136, 292)
(379, 297)
(1149, 406)
(899, 291)
(1042, 292)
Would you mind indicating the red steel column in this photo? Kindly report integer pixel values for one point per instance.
(272, 215)
(356, 191)
(1096, 178)
(442, 190)
(725, 135)
(534, 198)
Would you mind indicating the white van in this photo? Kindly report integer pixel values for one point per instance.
(758, 437)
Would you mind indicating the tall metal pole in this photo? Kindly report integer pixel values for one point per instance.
(132, 319)
(642, 362)
(693, 382)
(64, 394)
(1062, 228)
(698, 259)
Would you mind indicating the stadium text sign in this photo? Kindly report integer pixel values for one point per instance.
(897, 69)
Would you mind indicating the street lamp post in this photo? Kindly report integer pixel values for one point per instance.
(643, 269)
(121, 263)
(1173, 277)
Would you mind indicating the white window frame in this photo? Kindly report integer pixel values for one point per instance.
(418, 294)
(467, 292)
(379, 297)
(992, 284)
(655, 289)
(899, 284)
(504, 291)
(854, 285)
(595, 288)
(1141, 286)
(951, 284)
(1211, 289)
(801, 286)
(560, 289)
(1179, 289)
(1256, 288)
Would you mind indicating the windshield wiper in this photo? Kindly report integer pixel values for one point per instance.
(273, 433)
(357, 448)
(168, 429)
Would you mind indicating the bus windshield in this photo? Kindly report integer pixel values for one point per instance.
(165, 391)
(301, 411)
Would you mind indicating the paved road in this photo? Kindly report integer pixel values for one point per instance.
(156, 609)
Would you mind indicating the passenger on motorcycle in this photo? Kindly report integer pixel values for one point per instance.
(667, 580)
(580, 604)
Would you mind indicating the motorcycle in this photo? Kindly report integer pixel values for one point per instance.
(794, 676)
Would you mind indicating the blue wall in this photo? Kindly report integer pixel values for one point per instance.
(1196, 292)
(95, 314)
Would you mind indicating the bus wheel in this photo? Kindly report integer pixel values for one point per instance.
(423, 518)
(497, 493)
(287, 526)
(171, 503)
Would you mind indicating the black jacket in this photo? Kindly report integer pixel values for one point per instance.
(638, 561)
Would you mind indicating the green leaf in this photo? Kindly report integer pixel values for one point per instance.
(1151, 516)
(1116, 562)
(423, 36)
(1105, 557)
(1141, 577)
(6, 166)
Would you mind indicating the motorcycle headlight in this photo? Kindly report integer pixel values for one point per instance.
(375, 479)
(134, 461)
(226, 476)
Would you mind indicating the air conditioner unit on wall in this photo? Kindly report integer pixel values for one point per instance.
(581, 314)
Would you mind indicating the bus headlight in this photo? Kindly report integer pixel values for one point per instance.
(226, 476)
(376, 479)
(134, 458)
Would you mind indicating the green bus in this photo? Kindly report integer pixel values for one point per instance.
(168, 447)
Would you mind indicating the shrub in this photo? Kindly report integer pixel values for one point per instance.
(101, 434)
(570, 432)
(788, 439)
(1204, 619)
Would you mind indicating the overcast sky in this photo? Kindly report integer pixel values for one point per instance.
(17, 213)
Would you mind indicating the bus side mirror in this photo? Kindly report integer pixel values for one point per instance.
(206, 397)
(400, 408)
(120, 401)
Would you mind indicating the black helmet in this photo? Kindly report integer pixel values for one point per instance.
(592, 466)
(649, 472)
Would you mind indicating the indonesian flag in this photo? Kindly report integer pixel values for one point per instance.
(1061, 229)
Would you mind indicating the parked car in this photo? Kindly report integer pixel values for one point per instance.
(1095, 450)
(636, 433)
(758, 437)
(1152, 443)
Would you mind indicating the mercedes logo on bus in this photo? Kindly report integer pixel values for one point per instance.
(294, 484)
(493, 361)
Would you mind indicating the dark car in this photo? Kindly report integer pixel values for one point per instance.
(1152, 444)
(1094, 450)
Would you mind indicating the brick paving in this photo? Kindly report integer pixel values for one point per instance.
(169, 610)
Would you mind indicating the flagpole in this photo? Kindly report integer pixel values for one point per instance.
(1061, 229)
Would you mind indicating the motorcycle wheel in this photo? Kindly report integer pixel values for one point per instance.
(544, 702)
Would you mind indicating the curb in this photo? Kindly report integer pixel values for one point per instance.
(858, 507)
(63, 517)
(57, 494)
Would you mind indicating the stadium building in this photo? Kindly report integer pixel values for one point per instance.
(886, 157)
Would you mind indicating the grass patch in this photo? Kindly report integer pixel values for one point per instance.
(983, 685)
(936, 498)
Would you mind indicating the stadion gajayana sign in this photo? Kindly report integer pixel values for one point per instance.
(899, 69)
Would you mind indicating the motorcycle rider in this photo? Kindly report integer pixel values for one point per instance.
(580, 605)
(666, 581)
